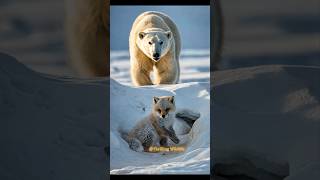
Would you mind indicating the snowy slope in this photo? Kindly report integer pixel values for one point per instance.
(267, 122)
(130, 104)
(51, 128)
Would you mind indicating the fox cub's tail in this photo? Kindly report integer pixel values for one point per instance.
(133, 143)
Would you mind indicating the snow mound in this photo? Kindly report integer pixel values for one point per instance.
(51, 127)
(131, 104)
(267, 122)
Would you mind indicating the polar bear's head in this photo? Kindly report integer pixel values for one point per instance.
(154, 43)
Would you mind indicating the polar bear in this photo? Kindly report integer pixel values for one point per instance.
(87, 35)
(154, 45)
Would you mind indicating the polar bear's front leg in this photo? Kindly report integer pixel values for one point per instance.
(165, 75)
(140, 77)
(167, 70)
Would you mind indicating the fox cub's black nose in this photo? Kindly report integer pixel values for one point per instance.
(163, 116)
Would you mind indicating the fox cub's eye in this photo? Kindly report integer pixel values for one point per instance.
(150, 42)
(161, 42)
(159, 111)
(167, 109)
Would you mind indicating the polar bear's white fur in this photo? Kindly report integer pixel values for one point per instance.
(87, 25)
(155, 45)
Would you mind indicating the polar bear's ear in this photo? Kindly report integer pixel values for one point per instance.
(141, 35)
(155, 99)
(169, 34)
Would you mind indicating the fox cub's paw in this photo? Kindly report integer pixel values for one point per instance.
(136, 145)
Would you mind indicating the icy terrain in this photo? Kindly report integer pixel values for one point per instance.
(129, 104)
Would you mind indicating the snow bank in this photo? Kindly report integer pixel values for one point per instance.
(51, 127)
(267, 122)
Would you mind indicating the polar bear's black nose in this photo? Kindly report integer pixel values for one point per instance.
(156, 55)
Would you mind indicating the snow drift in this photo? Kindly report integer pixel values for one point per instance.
(51, 127)
(267, 123)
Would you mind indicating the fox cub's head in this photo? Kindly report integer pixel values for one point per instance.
(163, 106)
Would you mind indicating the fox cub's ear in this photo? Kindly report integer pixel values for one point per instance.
(155, 99)
(171, 99)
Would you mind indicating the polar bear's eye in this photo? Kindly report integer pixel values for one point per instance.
(150, 42)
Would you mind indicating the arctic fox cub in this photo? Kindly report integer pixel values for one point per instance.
(155, 129)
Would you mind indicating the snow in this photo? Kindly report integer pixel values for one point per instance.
(51, 127)
(54, 127)
(130, 104)
(195, 66)
(267, 122)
